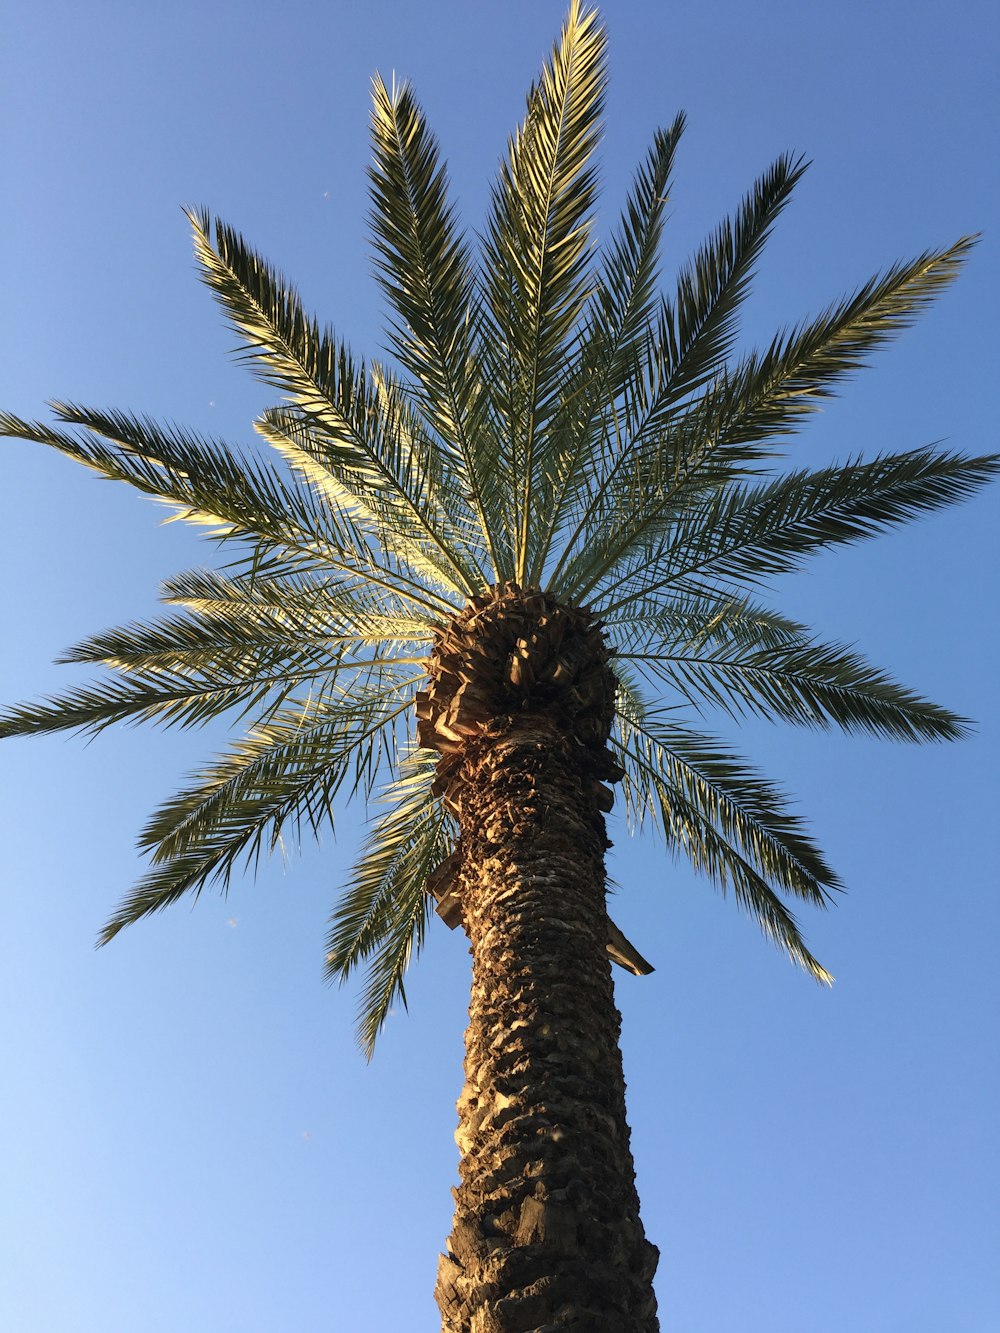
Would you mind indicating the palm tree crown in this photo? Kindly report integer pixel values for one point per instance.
(549, 426)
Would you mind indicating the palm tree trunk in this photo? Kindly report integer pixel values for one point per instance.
(546, 1232)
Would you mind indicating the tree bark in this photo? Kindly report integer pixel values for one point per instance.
(546, 1234)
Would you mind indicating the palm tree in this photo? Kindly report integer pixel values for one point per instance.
(540, 533)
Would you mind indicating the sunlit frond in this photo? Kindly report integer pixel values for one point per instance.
(537, 252)
(770, 392)
(362, 427)
(714, 440)
(427, 568)
(680, 353)
(615, 333)
(426, 269)
(697, 329)
(208, 483)
(353, 598)
(164, 696)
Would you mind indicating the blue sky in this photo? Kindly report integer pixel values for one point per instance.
(192, 1140)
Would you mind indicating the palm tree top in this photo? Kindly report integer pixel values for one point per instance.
(552, 417)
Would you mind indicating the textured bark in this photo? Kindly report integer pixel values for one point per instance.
(546, 1234)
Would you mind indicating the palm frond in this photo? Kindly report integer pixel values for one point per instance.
(236, 497)
(695, 618)
(770, 392)
(373, 523)
(731, 824)
(425, 267)
(209, 483)
(284, 773)
(740, 804)
(697, 330)
(680, 353)
(799, 681)
(164, 696)
(277, 647)
(750, 533)
(615, 326)
(313, 601)
(365, 437)
(383, 911)
(716, 439)
(538, 247)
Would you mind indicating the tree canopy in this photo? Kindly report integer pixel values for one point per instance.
(553, 415)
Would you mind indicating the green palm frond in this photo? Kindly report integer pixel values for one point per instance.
(730, 823)
(626, 294)
(744, 807)
(426, 269)
(312, 603)
(189, 643)
(750, 533)
(745, 661)
(364, 512)
(682, 352)
(314, 636)
(715, 440)
(615, 329)
(167, 697)
(697, 330)
(383, 911)
(695, 619)
(199, 649)
(231, 494)
(210, 484)
(283, 774)
(537, 252)
(297, 626)
(769, 393)
(347, 597)
(364, 430)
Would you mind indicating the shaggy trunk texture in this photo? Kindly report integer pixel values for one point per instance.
(546, 1233)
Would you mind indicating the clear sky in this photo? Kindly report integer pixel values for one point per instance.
(191, 1140)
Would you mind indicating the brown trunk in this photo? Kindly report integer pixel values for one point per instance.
(546, 1233)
